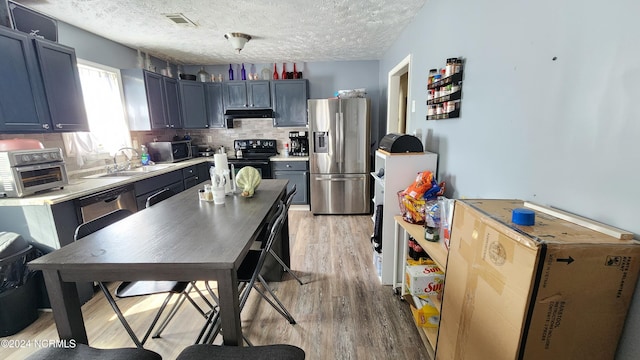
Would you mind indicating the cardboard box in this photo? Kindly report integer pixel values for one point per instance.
(424, 279)
(554, 290)
(425, 314)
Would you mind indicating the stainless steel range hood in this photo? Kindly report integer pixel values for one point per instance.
(248, 113)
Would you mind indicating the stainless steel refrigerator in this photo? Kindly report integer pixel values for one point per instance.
(339, 155)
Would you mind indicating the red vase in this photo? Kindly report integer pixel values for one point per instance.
(284, 70)
(295, 72)
(275, 72)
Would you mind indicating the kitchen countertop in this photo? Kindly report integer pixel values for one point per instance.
(281, 157)
(82, 187)
(86, 186)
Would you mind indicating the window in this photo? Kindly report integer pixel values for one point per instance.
(109, 131)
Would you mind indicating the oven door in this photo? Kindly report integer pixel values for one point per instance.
(34, 178)
(263, 166)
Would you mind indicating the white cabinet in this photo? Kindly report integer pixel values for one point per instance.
(400, 170)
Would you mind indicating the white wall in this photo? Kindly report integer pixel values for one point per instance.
(557, 132)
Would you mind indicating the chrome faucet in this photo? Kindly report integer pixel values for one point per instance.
(128, 164)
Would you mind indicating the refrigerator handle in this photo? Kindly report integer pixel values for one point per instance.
(338, 142)
(342, 139)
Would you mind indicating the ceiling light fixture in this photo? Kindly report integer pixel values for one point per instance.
(237, 40)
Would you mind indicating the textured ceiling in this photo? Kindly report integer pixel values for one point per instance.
(282, 30)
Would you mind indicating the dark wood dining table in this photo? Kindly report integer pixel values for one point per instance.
(180, 239)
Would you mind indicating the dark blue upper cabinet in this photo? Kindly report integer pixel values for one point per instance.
(289, 99)
(155, 94)
(194, 108)
(235, 95)
(62, 86)
(152, 100)
(215, 110)
(23, 106)
(40, 89)
(259, 94)
(247, 94)
(172, 96)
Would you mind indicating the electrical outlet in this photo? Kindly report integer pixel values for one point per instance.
(413, 106)
(209, 139)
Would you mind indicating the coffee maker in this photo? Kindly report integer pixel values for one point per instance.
(299, 143)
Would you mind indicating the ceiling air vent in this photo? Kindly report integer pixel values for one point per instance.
(179, 19)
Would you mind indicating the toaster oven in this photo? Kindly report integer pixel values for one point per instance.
(25, 172)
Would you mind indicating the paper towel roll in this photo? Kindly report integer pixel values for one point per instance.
(220, 161)
(222, 168)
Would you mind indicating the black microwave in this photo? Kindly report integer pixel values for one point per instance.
(170, 151)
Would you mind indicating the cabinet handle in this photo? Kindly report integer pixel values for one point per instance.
(172, 126)
(288, 165)
(59, 126)
(166, 126)
(45, 126)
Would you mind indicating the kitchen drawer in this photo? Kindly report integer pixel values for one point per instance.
(189, 171)
(141, 200)
(145, 186)
(190, 182)
(289, 165)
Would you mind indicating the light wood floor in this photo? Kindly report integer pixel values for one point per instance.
(342, 312)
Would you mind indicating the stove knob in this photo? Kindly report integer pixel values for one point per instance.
(54, 156)
(26, 158)
(45, 156)
(37, 157)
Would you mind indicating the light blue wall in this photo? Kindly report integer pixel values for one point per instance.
(562, 133)
(95, 48)
(91, 47)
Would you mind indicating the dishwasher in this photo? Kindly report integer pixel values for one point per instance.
(104, 202)
(95, 205)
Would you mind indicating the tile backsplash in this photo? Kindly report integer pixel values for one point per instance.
(243, 129)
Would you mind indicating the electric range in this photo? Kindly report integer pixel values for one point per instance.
(254, 152)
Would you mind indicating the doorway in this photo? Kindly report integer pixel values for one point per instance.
(398, 97)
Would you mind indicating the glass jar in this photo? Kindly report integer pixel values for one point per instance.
(450, 106)
(432, 73)
(450, 68)
(203, 76)
(436, 77)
